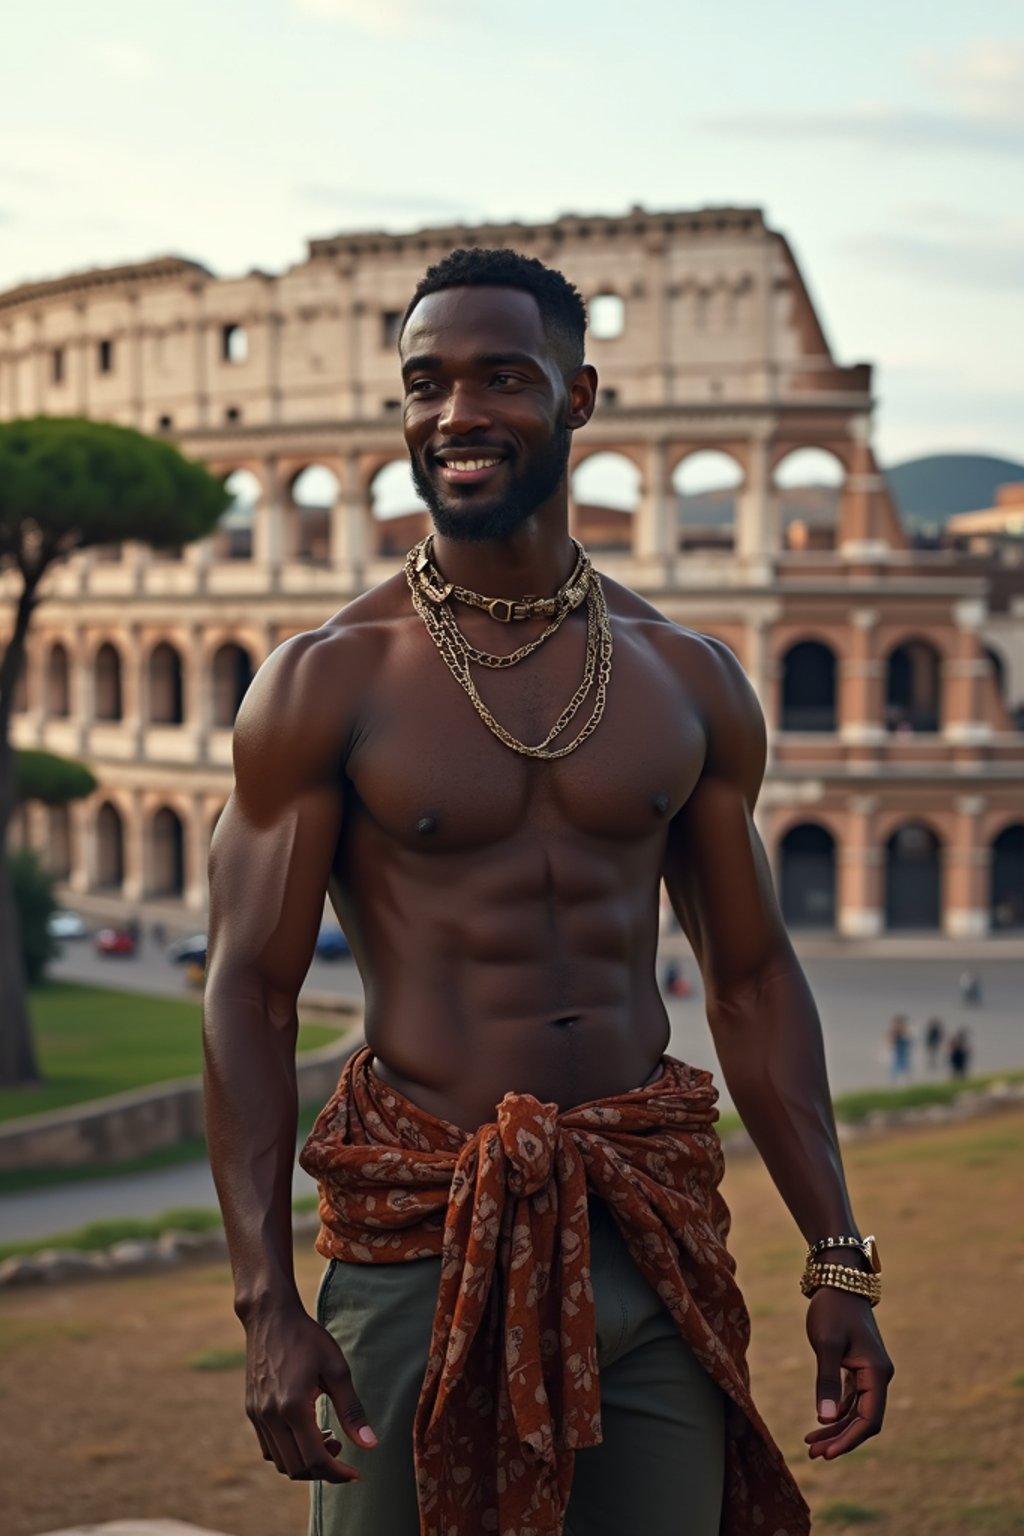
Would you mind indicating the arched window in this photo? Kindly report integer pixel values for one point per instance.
(166, 694)
(605, 495)
(109, 847)
(167, 853)
(808, 487)
(1007, 896)
(234, 344)
(913, 688)
(809, 687)
(400, 517)
(58, 683)
(707, 484)
(314, 493)
(235, 529)
(913, 878)
(107, 676)
(232, 674)
(807, 877)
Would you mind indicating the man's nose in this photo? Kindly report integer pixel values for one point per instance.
(463, 410)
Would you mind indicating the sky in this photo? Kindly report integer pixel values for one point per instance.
(886, 141)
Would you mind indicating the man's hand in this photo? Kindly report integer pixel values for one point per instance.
(854, 1372)
(290, 1360)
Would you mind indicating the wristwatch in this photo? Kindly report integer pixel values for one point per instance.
(867, 1246)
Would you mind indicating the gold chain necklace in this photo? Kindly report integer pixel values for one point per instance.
(430, 594)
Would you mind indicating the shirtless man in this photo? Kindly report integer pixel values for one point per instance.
(503, 911)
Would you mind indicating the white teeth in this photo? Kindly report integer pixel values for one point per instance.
(471, 463)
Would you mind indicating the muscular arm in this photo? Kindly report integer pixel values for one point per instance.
(269, 865)
(763, 1018)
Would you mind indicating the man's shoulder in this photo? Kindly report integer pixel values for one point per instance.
(352, 637)
(700, 655)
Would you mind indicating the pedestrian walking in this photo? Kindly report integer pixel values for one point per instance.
(934, 1035)
(959, 1054)
(899, 1048)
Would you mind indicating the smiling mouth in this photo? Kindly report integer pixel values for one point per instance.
(468, 470)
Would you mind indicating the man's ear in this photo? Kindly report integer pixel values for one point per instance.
(582, 390)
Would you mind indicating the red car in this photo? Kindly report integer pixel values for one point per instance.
(114, 941)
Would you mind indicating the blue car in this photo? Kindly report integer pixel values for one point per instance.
(331, 943)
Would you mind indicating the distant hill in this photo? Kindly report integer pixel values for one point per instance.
(929, 490)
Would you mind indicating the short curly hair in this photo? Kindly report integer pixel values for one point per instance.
(561, 307)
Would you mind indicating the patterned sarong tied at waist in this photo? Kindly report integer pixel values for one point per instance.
(511, 1389)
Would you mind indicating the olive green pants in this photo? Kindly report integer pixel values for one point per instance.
(659, 1468)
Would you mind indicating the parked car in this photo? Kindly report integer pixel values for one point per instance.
(66, 925)
(331, 943)
(115, 941)
(188, 951)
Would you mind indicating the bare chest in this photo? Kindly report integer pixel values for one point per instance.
(428, 770)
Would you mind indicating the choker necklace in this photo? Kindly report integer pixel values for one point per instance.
(505, 609)
(431, 596)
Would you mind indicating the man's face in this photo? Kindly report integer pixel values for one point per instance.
(487, 410)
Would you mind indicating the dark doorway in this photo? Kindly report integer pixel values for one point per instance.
(808, 877)
(913, 878)
(809, 688)
(1008, 880)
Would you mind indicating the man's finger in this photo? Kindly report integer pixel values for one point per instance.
(865, 1421)
(350, 1412)
(828, 1388)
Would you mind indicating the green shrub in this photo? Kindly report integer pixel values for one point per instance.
(35, 901)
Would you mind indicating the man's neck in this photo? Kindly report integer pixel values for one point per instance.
(533, 562)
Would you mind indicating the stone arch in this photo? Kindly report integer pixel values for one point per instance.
(808, 482)
(234, 537)
(314, 493)
(807, 876)
(913, 877)
(913, 687)
(808, 687)
(606, 488)
(108, 691)
(166, 688)
(707, 483)
(58, 841)
(166, 846)
(57, 682)
(109, 847)
(231, 672)
(1006, 893)
(400, 518)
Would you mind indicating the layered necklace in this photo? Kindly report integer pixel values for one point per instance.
(432, 597)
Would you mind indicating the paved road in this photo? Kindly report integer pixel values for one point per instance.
(856, 998)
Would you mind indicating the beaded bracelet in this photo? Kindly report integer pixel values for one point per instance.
(841, 1277)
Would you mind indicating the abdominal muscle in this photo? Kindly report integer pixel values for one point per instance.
(567, 1008)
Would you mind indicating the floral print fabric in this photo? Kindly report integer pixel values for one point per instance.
(511, 1389)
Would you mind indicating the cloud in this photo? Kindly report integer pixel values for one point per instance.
(945, 246)
(980, 110)
(392, 17)
(873, 127)
(122, 59)
(985, 79)
(365, 202)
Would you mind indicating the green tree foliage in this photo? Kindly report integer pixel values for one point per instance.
(35, 901)
(65, 485)
(49, 779)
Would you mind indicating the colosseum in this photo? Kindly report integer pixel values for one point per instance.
(891, 676)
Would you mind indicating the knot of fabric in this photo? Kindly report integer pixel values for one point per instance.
(529, 1138)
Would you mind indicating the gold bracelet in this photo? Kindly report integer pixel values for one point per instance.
(841, 1277)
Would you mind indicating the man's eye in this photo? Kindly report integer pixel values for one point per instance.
(506, 378)
(420, 386)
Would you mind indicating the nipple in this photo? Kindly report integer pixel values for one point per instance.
(660, 803)
(426, 824)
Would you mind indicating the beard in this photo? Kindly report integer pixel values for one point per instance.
(457, 517)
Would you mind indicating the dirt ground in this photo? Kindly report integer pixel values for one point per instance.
(104, 1413)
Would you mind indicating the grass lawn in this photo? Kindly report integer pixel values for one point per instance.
(147, 1371)
(93, 1041)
